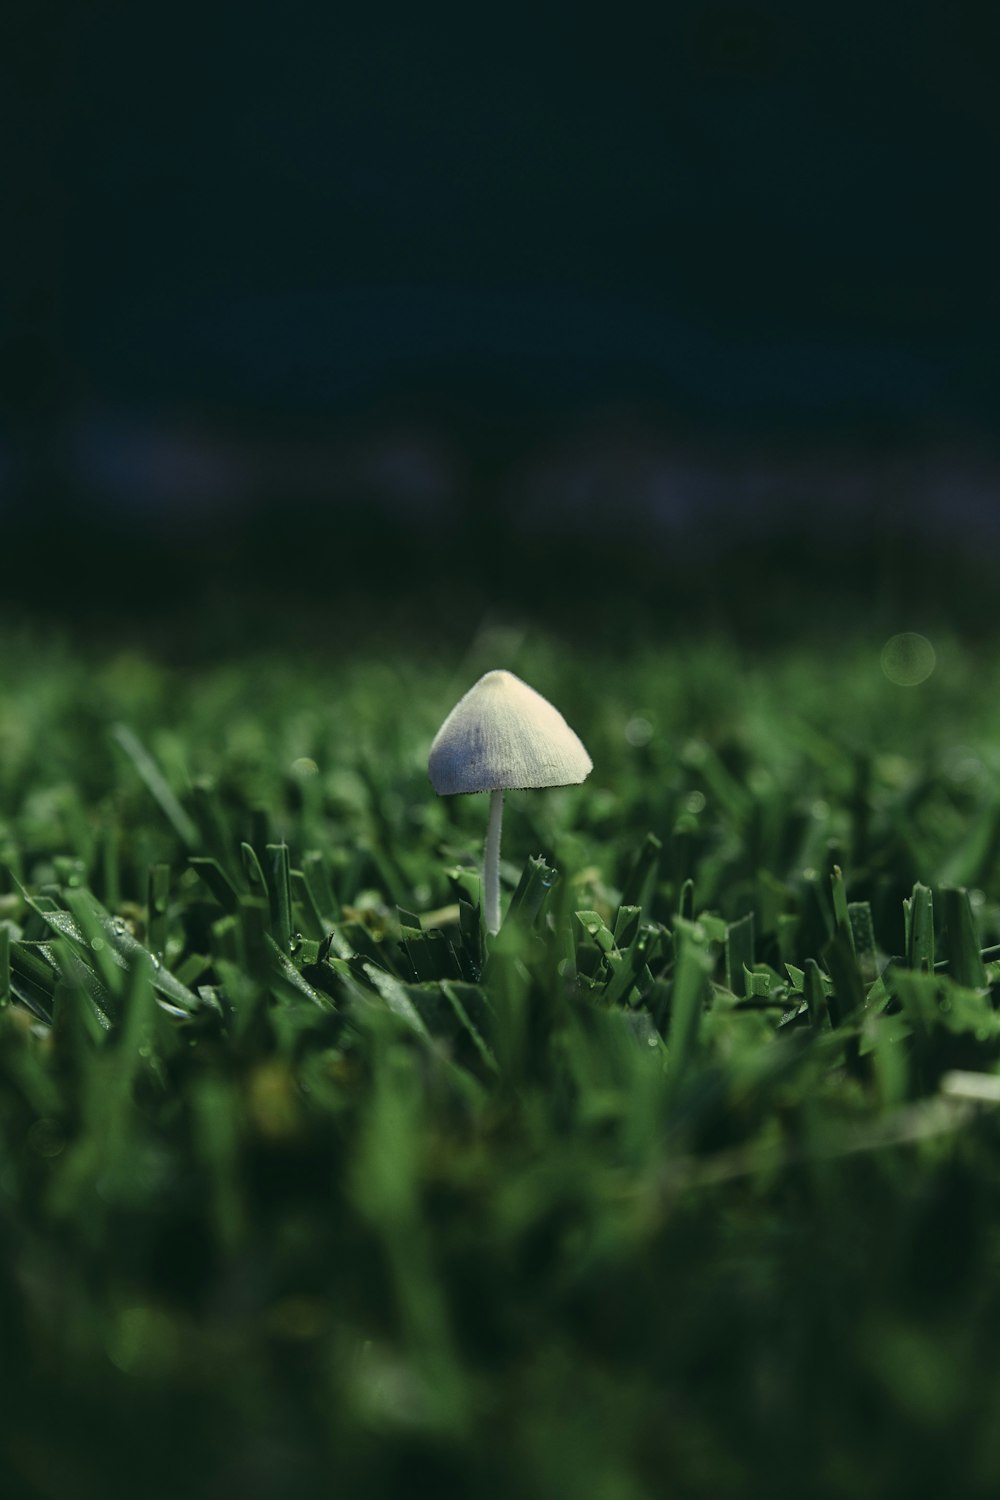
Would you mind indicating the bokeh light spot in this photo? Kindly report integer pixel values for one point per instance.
(638, 731)
(908, 659)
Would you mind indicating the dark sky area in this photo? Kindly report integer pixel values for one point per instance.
(729, 222)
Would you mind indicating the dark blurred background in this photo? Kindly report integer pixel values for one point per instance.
(382, 304)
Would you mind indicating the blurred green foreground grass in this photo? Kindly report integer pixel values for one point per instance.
(681, 1185)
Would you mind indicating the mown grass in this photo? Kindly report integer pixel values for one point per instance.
(675, 1187)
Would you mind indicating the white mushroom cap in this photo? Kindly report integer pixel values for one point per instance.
(501, 735)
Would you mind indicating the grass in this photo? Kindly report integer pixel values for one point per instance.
(687, 1183)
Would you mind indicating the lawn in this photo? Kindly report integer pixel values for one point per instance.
(686, 1183)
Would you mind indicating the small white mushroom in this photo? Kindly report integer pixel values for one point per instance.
(502, 735)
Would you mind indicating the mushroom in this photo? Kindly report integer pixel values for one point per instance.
(502, 735)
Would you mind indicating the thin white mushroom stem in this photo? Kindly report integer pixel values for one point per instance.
(503, 734)
(491, 863)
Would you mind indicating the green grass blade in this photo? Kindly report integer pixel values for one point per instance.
(537, 879)
(920, 929)
(739, 951)
(690, 988)
(217, 881)
(280, 895)
(961, 939)
(156, 784)
(4, 964)
(157, 908)
(640, 883)
(848, 996)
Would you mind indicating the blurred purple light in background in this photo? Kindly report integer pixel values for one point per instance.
(147, 467)
(582, 482)
(706, 499)
(597, 474)
(142, 466)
